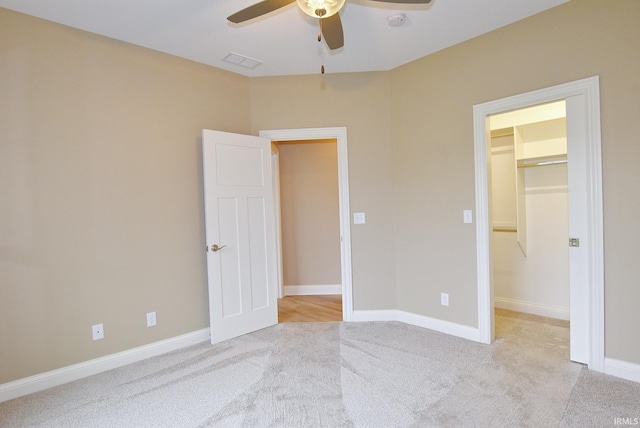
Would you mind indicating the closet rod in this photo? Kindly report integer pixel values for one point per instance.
(542, 163)
(504, 229)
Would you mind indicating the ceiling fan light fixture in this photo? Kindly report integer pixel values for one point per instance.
(320, 8)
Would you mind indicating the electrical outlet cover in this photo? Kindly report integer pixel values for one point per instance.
(97, 331)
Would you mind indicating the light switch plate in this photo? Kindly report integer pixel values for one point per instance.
(468, 216)
(444, 299)
(151, 319)
(358, 218)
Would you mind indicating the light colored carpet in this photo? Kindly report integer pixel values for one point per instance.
(384, 374)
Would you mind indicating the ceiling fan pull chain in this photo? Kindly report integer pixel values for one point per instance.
(321, 50)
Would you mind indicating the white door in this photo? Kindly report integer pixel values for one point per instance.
(578, 229)
(240, 233)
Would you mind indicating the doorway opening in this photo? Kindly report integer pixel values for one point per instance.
(530, 218)
(339, 136)
(586, 262)
(529, 210)
(306, 192)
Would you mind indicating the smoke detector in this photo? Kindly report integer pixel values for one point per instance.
(396, 20)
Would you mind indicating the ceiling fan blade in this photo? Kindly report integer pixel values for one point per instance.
(405, 1)
(258, 9)
(332, 31)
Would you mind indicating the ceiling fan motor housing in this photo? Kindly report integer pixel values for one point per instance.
(320, 8)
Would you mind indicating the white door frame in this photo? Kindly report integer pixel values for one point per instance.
(275, 169)
(340, 135)
(589, 89)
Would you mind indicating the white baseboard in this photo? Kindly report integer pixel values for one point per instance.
(312, 290)
(447, 327)
(532, 308)
(42, 381)
(622, 369)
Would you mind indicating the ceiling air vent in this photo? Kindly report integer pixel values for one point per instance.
(241, 60)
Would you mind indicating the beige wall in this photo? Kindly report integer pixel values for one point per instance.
(101, 192)
(360, 102)
(100, 163)
(431, 104)
(310, 212)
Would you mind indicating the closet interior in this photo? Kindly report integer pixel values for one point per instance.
(529, 203)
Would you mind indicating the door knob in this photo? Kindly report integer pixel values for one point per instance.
(215, 247)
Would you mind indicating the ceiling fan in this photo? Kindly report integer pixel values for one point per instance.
(325, 10)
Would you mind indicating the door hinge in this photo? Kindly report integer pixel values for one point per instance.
(574, 242)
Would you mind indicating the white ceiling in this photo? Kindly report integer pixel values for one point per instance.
(285, 41)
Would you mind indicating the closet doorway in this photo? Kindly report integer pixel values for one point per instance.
(585, 237)
(529, 208)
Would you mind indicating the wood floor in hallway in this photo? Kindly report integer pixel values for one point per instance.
(327, 308)
(310, 308)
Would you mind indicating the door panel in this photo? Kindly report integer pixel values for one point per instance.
(239, 217)
(578, 228)
(259, 268)
(229, 267)
(239, 166)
